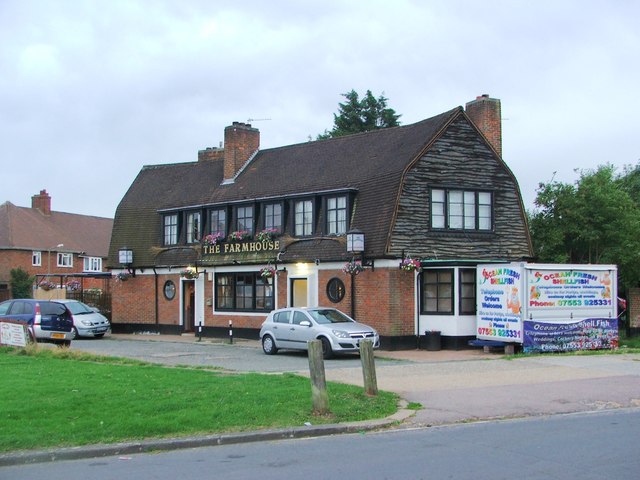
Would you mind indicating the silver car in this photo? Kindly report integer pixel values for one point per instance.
(292, 328)
(86, 321)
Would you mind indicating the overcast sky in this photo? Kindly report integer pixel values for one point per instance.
(90, 91)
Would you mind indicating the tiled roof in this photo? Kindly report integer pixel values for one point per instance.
(28, 228)
(371, 163)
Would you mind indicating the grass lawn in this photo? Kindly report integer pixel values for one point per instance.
(57, 397)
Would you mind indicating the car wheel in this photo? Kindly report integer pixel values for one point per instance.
(74, 333)
(269, 345)
(327, 351)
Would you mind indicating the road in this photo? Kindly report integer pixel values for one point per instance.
(584, 446)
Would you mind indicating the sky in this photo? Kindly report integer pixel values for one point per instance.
(93, 90)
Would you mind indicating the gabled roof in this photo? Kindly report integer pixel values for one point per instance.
(371, 163)
(27, 228)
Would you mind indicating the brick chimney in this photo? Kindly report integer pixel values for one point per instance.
(42, 202)
(485, 113)
(241, 141)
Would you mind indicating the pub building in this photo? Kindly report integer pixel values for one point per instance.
(387, 226)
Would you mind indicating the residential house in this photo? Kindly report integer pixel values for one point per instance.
(55, 247)
(407, 212)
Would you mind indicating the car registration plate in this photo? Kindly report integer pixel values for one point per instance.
(57, 335)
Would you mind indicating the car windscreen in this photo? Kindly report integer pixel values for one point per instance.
(327, 316)
(78, 308)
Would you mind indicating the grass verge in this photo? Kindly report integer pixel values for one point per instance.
(57, 397)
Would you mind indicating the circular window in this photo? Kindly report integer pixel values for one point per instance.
(335, 290)
(169, 290)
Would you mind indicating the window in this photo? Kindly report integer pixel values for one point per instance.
(244, 292)
(335, 290)
(337, 215)
(65, 260)
(36, 259)
(273, 216)
(467, 291)
(437, 291)
(244, 219)
(92, 264)
(218, 222)
(171, 229)
(461, 210)
(193, 227)
(303, 218)
(169, 290)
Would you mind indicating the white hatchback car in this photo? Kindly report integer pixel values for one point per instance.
(292, 328)
(87, 322)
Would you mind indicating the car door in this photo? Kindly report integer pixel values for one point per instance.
(280, 328)
(301, 334)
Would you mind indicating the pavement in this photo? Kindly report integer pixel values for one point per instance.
(447, 386)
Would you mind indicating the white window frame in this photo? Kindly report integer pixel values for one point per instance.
(92, 264)
(170, 229)
(36, 258)
(303, 222)
(337, 215)
(194, 227)
(65, 260)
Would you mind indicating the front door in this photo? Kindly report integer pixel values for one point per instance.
(299, 292)
(188, 305)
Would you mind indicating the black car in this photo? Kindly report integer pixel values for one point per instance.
(49, 321)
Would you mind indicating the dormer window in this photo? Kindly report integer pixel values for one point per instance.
(170, 228)
(303, 218)
(244, 219)
(273, 216)
(218, 222)
(337, 215)
(194, 227)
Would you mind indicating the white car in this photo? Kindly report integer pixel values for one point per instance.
(292, 328)
(87, 322)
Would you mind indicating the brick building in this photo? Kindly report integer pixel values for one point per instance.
(242, 231)
(54, 247)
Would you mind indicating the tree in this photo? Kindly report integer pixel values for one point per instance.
(21, 283)
(594, 221)
(355, 115)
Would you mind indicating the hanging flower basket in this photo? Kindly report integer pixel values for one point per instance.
(189, 273)
(353, 268)
(239, 236)
(212, 238)
(266, 234)
(47, 286)
(410, 265)
(73, 285)
(267, 272)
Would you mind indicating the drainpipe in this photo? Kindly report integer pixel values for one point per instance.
(155, 278)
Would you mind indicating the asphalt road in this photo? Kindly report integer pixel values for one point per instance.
(591, 446)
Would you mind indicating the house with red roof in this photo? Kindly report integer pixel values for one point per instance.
(55, 247)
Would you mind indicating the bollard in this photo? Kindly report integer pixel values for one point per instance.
(368, 368)
(200, 331)
(319, 395)
(231, 332)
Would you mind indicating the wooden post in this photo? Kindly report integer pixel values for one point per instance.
(319, 394)
(368, 368)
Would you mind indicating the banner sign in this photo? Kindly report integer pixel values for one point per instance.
(587, 334)
(499, 302)
(570, 289)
